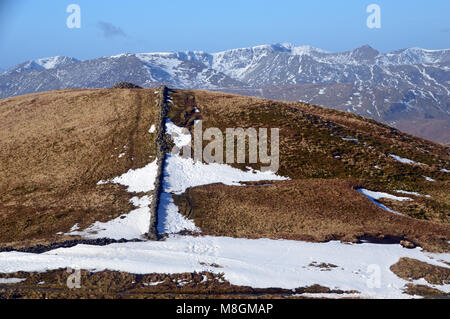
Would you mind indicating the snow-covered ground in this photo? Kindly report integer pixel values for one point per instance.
(137, 180)
(181, 173)
(128, 226)
(170, 221)
(258, 263)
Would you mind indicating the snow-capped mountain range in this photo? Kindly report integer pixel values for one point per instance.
(408, 88)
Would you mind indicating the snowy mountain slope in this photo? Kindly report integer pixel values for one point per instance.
(43, 64)
(278, 64)
(400, 88)
(146, 70)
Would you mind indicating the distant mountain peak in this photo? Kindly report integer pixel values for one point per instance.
(55, 62)
(47, 63)
(366, 52)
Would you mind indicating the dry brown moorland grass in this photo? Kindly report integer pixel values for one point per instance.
(311, 210)
(425, 291)
(112, 284)
(313, 145)
(55, 147)
(311, 139)
(413, 269)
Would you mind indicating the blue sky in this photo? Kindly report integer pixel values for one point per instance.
(37, 28)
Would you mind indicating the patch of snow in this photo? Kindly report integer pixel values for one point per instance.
(181, 173)
(138, 180)
(180, 135)
(135, 223)
(170, 221)
(374, 196)
(428, 179)
(118, 55)
(412, 193)
(74, 228)
(152, 283)
(445, 170)
(121, 155)
(152, 129)
(350, 139)
(11, 280)
(54, 62)
(127, 226)
(405, 160)
(378, 195)
(259, 263)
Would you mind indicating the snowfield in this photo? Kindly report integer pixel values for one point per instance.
(260, 263)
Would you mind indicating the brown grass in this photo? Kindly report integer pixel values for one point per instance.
(412, 269)
(111, 284)
(425, 291)
(312, 210)
(311, 146)
(56, 146)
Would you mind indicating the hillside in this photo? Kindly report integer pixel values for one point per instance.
(80, 166)
(56, 146)
(327, 154)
